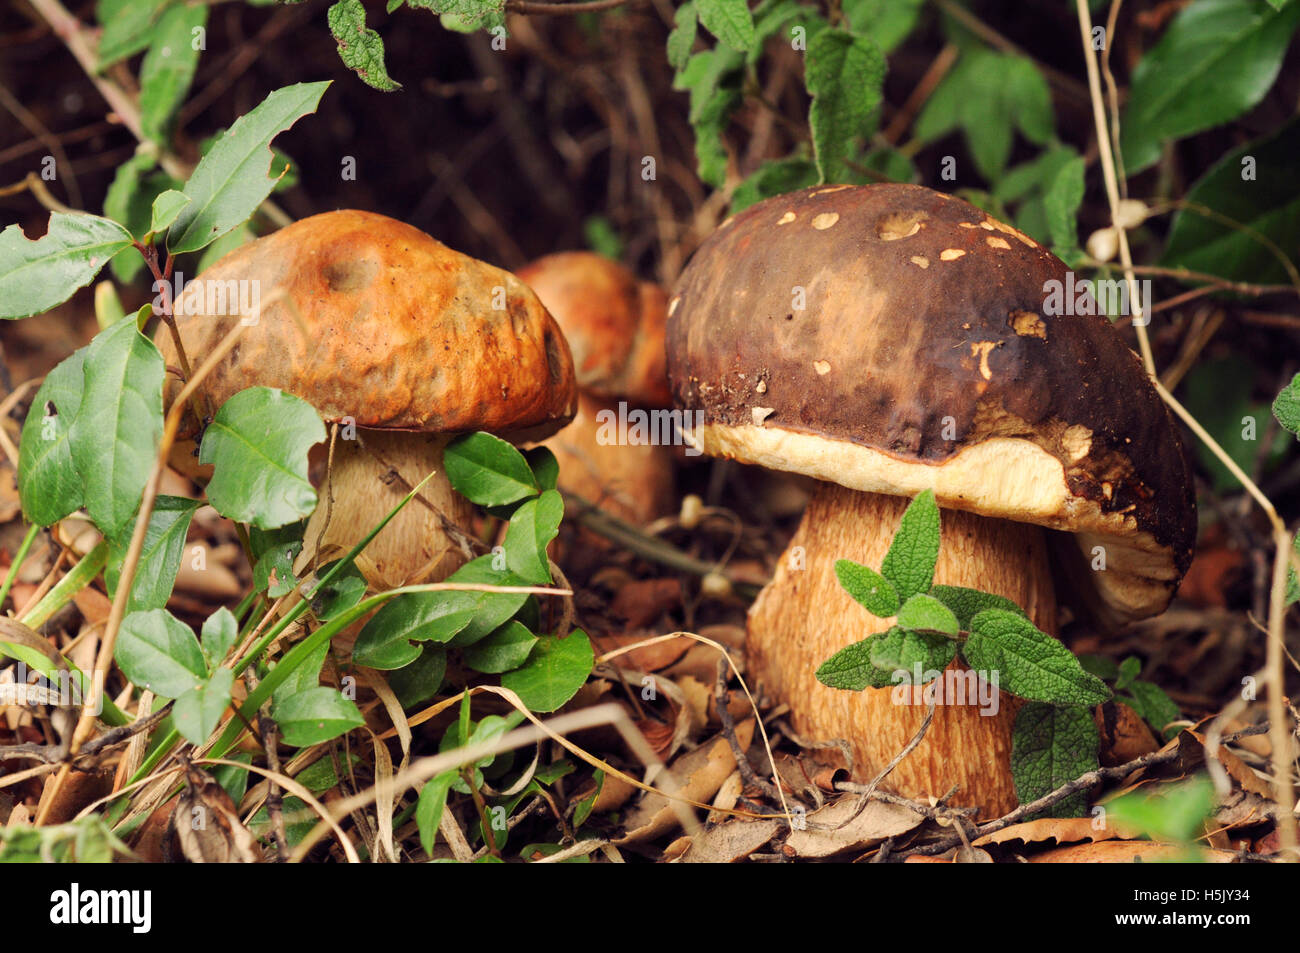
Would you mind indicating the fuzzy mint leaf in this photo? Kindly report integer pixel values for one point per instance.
(844, 75)
(774, 178)
(730, 21)
(713, 78)
(1153, 705)
(870, 589)
(1029, 663)
(901, 650)
(682, 37)
(1061, 202)
(361, 50)
(966, 604)
(1128, 670)
(928, 614)
(851, 668)
(1051, 746)
(909, 564)
(1287, 406)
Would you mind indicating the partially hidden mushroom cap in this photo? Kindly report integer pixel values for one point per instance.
(893, 339)
(614, 324)
(368, 318)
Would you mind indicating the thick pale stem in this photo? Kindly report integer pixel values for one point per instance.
(633, 481)
(804, 616)
(369, 476)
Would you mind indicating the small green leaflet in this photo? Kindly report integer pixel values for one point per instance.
(429, 807)
(488, 471)
(160, 560)
(198, 712)
(1029, 663)
(1153, 706)
(114, 439)
(169, 67)
(48, 483)
(900, 650)
(128, 27)
(419, 681)
(909, 564)
(887, 22)
(1217, 59)
(968, 603)
(231, 180)
(361, 50)
(166, 206)
(729, 20)
(465, 16)
(1177, 813)
(870, 589)
(158, 652)
(1051, 746)
(713, 78)
(1287, 406)
(506, 648)
(258, 442)
(927, 614)
(1061, 202)
(682, 37)
(851, 668)
(316, 715)
(845, 74)
(37, 275)
(218, 636)
(554, 672)
(774, 178)
(531, 529)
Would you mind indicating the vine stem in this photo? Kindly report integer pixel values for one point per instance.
(1279, 737)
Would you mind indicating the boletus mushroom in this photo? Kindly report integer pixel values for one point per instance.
(614, 324)
(890, 339)
(403, 342)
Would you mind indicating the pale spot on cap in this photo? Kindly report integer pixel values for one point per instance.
(822, 367)
(1027, 324)
(833, 188)
(951, 254)
(672, 305)
(995, 242)
(761, 414)
(825, 220)
(920, 260)
(787, 218)
(982, 348)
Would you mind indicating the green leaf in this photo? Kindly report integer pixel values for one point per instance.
(682, 37)
(887, 22)
(159, 652)
(928, 614)
(1102, 666)
(231, 181)
(851, 667)
(1061, 203)
(1219, 393)
(37, 275)
(774, 178)
(901, 650)
(338, 595)
(867, 587)
(1216, 60)
(713, 78)
(464, 16)
(218, 635)
(1292, 581)
(730, 21)
(1051, 746)
(273, 571)
(1267, 204)
(48, 483)
(1171, 812)
(968, 603)
(130, 200)
(164, 545)
(258, 442)
(531, 529)
(429, 807)
(1127, 672)
(1153, 705)
(166, 206)
(1029, 663)
(845, 75)
(419, 681)
(304, 676)
(114, 439)
(909, 564)
(169, 67)
(988, 96)
(546, 469)
(554, 672)
(316, 715)
(128, 26)
(488, 471)
(361, 50)
(198, 712)
(1287, 406)
(506, 648)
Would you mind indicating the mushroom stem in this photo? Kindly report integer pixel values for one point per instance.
(804, 616)
(368, 477)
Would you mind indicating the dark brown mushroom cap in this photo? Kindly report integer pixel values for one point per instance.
(924, 356)
(367, 317)
(613, 322)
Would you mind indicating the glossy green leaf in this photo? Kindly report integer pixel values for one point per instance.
(546, 469)
(48, 483)
(198, 712)
(1051, 746)
(218, 635)
(231, 181)
(909, 564)
(870, 589)
(419, 681)
(258, 442)
(169, 66)
(1216, 59)
(361, 49)
(506, 648)
(845, 75)
(166, 206)
(315, 715)
(488, 471)
(1029, 663)
(114, 439)
(554, 672)
(128, 26)
(429, 807)
(160, 560)
(37, 275)
(531, 529)
(159, 652)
